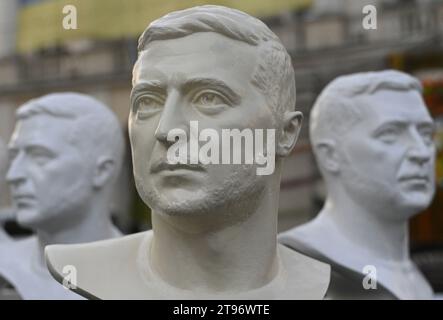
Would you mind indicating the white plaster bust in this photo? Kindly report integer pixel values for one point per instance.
(5, 214)
(66, 151)
(214, 225)
(4, 211)
(372, 138)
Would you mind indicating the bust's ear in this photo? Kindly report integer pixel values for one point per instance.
(104, 170)
(289, 133)
(327, 155)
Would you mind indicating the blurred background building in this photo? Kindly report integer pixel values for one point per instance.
(326, 38)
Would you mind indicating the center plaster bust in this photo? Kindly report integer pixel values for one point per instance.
(214, 230)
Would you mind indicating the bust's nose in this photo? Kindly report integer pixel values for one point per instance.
(418, 152)
(16, 172)
(172, 117)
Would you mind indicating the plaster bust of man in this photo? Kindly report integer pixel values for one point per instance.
(373, 140)
(214, 226)
(66, 151)
(4, 212)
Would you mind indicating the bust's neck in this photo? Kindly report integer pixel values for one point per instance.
(93, 224)
(384, 239)
(237, 257)
(361, 239)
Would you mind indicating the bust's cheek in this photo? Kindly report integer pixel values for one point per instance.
(140, 133)
(142, 143)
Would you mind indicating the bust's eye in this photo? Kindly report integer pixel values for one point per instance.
(427, 135)
(210, 102)
(12, 153)
(209, 99)
(388, 135)
(40, 155)
(147, 106)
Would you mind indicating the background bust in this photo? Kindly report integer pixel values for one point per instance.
(372, 138)
(5, 212)
(214, 226)
(66, 152)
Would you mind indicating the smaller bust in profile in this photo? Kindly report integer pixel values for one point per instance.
(372, 137)
(66, 152)
(214, 225)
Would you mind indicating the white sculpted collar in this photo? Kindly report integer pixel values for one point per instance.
(166, 290)
(316, 238)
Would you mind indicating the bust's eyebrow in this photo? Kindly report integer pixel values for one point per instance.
(215, 84)
(186, 87)
(12, 149)
(153, 85)
(402, 124)
(143, 87)
(427, 124)
(389, 124)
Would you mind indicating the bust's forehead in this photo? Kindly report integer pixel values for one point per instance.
(199, 42)
(198, 51)
(42, 129)
(391, 105)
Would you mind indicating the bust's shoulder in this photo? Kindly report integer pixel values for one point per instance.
(97, 263)
(18, 250)
(98, 249)
(306, 278)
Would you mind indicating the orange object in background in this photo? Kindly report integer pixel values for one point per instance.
(427, 228)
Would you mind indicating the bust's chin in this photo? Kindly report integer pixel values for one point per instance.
(28, 217)
(231, 197)
(411, 205)
(195, 205)
(180, 208)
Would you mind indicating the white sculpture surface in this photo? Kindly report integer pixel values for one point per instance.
(66, 151)
(5, 214)
(4, 210)
(214, 225)
(373, 140)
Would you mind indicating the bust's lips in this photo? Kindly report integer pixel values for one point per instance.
(23, 199)
(164, 166)
(415, 178)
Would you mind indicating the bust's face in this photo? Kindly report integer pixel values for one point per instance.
(391, 153)
(203, 77)
(48, 174)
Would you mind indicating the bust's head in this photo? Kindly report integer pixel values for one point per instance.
(373, 136)
(222, 69)
(66, 149)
